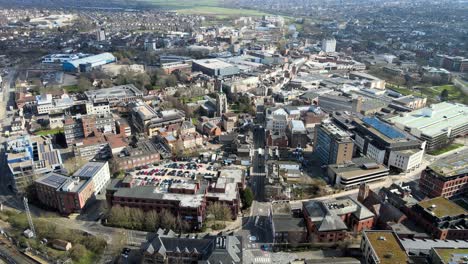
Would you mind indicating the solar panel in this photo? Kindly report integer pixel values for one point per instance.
(54, 180)
(88, 170)
(383, 128)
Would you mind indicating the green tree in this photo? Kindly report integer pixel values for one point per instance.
(84, 84)
(168, 220)
(171, 80)
(219, 212)
(444, 95)
(151, 221)
(247, 197)
(77, 252)
(137, 218)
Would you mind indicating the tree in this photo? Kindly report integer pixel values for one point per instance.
(137, 218)
(116, 216)
(171, 80)
(247, 197)
(444, 95)
(168, 220)
(219, 212)
(152, 221)
(83, 84)
(77, 252)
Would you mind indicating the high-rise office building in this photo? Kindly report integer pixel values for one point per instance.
(101, 35)
(332, 144)
(329, 45)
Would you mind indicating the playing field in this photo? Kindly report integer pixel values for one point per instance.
(202, 7)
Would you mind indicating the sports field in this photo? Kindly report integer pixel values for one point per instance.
(202, 7)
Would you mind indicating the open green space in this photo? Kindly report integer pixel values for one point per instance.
(48, 132)
(445, 149)
(220, 11)
(71, 88)
(200, 7)
(433, 93)
(85, 247)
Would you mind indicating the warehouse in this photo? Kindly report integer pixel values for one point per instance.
(215, 67)
(88, 63)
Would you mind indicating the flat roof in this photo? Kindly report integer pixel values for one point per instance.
(335, 130)
(442, 207)
(52, 179)
(387, 247)
(120, 91)
(383, 128)
(451, 254)
(93, 59)
(357, 169)
(435, 120)
(213, 63)
(454, 164)
(89, 169)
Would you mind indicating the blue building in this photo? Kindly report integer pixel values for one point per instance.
(88, 63)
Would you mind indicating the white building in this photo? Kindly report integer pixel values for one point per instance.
(98, 108)
(98, 171)
(45, 104)
(329, 45)
(437, 124)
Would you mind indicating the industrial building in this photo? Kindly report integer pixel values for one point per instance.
(214, 67)
(437, 124)
(447, 177)
(88, 63)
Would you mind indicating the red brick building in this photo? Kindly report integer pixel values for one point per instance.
(187, 200)
(448, 177)
(441, 218)
(332, 220)
(66, 194)
(144, 153)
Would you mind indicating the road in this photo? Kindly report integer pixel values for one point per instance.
(6, 195)
(461, 84)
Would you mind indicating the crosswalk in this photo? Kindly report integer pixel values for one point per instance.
(264, 259)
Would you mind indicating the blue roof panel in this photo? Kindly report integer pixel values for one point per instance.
(383, 128)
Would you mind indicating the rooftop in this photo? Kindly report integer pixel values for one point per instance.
(53, 180)
(93, 59)
(442, 207)
(386, 247)
(335, 130)
(358, 168)
(90, 169)
(435, 120)
(383, 128)
(454, 164)
(213, 63)
(450, 255)
(116, 92)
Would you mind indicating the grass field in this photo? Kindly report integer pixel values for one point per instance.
(201, 7)
(433, 93)
(48, 132)
(445, 149)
